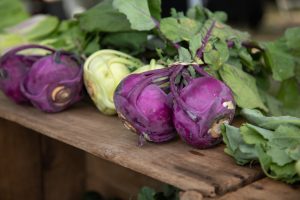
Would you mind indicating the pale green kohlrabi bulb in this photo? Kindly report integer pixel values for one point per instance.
(103, 71)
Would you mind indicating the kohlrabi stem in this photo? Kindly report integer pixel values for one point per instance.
(188, 109)
(200, 70)
(205, 40)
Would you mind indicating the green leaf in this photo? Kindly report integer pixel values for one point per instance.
(292, 37)
(271, 123)
(236, 147)
(120, 41)
(155, 8)
(286, 136)
(195, 43)
(92, 46)
(255, 135)
(279, 156)
(36, 27)
(243, 86)
(93, 19)
(180, 29)
(216, 57)
(285, 173)
(279, 60)
(289, 93)
(294, 152)
(146, 193)
(184, 55)
(137, 12)
(264, 159)
(12, 12)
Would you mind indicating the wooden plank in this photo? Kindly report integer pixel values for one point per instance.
(112, 180)
(63, 171)
(20, 169)
(265, 189)
(209, 171)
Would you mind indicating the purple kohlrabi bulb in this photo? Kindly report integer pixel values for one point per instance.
(144, 105)
(54, 82)
(200, 108)
(13, 69)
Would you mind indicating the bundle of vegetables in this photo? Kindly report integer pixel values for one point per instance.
(104, 70)
(51, 82)
(273, 141)
(201, 105)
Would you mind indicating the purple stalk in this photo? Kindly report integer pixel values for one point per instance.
(205, 40)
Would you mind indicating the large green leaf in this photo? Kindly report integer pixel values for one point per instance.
(279, 60)
(137, 12)
(180, 29)
(104, 17)
(243, 86)
(120, 41)
(155, 8)
(12, 12)
(36, 27)
(272, 123)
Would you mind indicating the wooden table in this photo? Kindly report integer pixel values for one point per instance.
(209, 173)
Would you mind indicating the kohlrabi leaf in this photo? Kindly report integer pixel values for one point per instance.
(289, 93)
(137, 12)
(286, 173)
(120, 41)
(103, 17)
(292, 37)
(195, 43)
(255, 135)
(243, 86)
(12, 12)
(35, 27)
(184, 55)
(216, 57)
(155, 8)
(180, 29)
(279, 60)
(236, 147)
(279, 156)
(272, 123)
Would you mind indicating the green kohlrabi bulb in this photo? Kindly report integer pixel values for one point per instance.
(103, 71)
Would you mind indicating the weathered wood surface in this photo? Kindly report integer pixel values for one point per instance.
(210, 172)
(63, 169)
(265, 189)
(112, 180)
(20, 166)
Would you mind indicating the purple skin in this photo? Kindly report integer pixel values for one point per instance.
(144, 107)
(54, 82)
(199, 110)
(13, 69)
(12, 73)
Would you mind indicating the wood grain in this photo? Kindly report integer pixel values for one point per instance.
(63, 168)
(20, 166)
(265, 189)
(210, 172)
(112, 180)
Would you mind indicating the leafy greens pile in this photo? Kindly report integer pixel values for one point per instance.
(273, 141)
